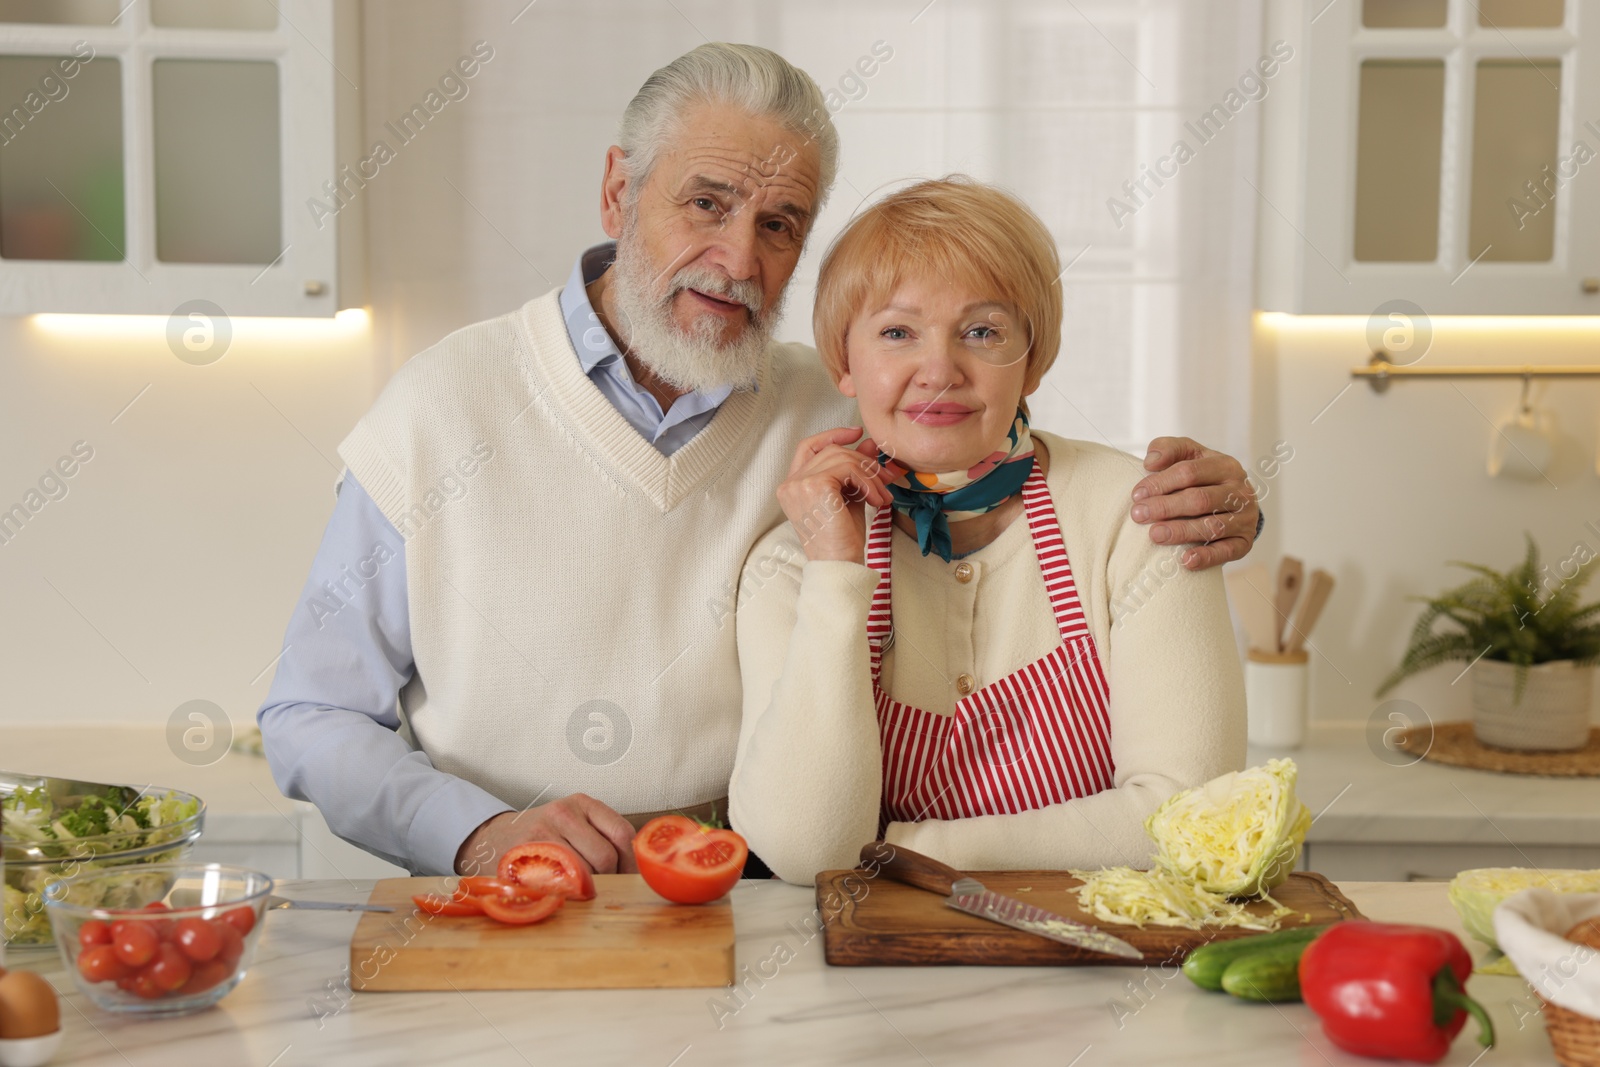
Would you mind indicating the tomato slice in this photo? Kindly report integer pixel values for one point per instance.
(546, 867)
(435, 904)
(522, 910)
(688, 863)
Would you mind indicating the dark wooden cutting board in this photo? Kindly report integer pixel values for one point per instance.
(874, 922)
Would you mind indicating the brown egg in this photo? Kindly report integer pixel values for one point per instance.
(1586, 933)
(28, 1006)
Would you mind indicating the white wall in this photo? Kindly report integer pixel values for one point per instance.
(168, 570)
(1383, 490)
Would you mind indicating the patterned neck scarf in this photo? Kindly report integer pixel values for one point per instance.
(934, 501)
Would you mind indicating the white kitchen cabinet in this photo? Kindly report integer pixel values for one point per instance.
(177, 157)
(1440, 152)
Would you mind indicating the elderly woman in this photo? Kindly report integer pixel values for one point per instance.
(960, 642)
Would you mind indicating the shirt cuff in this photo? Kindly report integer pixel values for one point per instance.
(445, 821)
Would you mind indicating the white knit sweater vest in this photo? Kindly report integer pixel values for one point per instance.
(571, 588)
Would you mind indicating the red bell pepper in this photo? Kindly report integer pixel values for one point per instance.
(1387, 990)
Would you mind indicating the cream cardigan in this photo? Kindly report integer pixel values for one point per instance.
(807, 781)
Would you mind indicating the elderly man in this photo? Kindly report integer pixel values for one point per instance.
(538, 539)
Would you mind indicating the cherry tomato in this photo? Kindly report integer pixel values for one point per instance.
(170, 969)
(94, 932)
(206, 975)
(232, 943)
(435, 904)
(142, 984)
(689, 863)
(99, 963)
(241, 919)
(136, 944)
(162, 927)
(547, 867)
(198, 940)
(522, 910)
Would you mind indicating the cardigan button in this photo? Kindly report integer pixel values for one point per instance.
(963, 572)
(965, 684)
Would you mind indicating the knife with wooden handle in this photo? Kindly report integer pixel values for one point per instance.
(967, 894)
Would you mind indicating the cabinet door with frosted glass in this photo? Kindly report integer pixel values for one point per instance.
(1449, 155)
(162, 152)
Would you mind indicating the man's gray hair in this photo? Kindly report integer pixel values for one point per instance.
(756, 79)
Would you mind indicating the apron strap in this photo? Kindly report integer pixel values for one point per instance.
(1052, 553)
(879, 621)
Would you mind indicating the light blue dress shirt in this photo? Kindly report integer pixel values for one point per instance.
(330, 722)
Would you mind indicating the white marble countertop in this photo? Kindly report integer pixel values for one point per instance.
(290, 1010)
(1359, 795)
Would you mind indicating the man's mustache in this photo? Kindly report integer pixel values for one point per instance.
(711, 283)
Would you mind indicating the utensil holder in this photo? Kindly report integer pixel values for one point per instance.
(1275, 697)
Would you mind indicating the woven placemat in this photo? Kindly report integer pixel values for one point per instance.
(1454, 743)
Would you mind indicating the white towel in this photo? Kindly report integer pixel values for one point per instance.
(1529, 926)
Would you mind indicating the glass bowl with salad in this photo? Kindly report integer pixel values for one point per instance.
(54, 828)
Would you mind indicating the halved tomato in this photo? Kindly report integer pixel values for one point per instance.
(689, 863)
(520, 911)
(547, 868)
(434, 904)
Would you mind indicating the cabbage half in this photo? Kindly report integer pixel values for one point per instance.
(1476, 893)
(1238, 835)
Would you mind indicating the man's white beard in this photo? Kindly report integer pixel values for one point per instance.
(694, 359)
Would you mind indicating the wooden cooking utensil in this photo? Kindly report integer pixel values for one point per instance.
(1315, 599)
(1250, 590)
(1290, 573)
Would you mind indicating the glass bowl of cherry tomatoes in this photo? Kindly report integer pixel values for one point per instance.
(181, 943)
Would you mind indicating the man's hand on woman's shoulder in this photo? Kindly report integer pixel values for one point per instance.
(1197, 496)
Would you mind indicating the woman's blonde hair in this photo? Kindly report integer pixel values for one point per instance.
(952, 228)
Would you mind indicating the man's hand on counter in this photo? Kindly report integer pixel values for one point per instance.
(599, 835)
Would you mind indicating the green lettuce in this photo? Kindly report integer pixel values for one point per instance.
(1476, 893)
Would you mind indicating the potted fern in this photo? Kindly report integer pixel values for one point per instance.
(1532, 650)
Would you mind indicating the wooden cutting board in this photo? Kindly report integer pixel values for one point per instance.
(625, 938)
(876, 922)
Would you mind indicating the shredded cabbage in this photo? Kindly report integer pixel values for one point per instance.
(1476, 893)
(1235, 837)
(1161, 898)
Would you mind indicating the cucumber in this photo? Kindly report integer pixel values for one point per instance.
(1273, 974)
(1206, 964)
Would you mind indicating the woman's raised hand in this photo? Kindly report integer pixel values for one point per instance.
(827, 490)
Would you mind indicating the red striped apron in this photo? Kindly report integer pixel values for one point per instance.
(1036, 737)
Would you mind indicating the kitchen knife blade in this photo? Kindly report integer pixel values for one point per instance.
(322, 905)
(969, 895)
